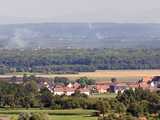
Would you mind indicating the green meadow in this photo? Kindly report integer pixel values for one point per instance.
(74, 114)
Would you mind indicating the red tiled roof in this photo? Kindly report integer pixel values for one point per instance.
(103, 83)
(63, 89)
(132, 85)
(146, 79)
(59, 89)
(66, 89)
(100, 87)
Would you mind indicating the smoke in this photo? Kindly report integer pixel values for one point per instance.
(90, 26)
(20, 39)
(99, 36)
(17, 41)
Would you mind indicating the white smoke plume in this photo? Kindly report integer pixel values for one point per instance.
(19, 39)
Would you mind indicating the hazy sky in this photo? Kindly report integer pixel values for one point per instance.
(79, 11)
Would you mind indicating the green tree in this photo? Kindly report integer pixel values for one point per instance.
(46, 97)
(61, 80)
(24, 116)
(135, 109)
(120, 108)
(31, 86)
(25, 78)
(103, 107)
(39, 116)
(113, 80)
(83, 81)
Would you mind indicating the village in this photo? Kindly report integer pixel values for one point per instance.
(62, 86)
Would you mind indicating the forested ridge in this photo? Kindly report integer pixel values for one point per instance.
(77, 60)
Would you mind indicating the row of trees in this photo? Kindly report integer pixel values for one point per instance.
(83, 81)
(29, 94)
(52, 60)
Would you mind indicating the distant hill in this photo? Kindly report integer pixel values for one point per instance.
(80, 35)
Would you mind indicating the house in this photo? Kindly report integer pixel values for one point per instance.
(102, 87)
(118, 87)
(132, 85)
(113, 87)
(59, 91)
(155, 82)
(145, 82)
(69, 91)
(70, 85)
(121, 87)
(147, 79)
(63, 91)
(85, 91)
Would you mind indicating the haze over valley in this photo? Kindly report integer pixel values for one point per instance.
(80, 35)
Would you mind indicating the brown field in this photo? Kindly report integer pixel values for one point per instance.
(127, 75)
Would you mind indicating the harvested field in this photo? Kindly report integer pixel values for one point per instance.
(122, 75)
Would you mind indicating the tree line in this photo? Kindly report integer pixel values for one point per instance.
(77, 60)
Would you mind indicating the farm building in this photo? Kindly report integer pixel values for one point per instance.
(118, 87)
(155, 82)
(102, 87)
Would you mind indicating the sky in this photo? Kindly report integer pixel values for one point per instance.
(23, 11)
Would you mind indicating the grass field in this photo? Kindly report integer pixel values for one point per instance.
(55, 117)
(121, 75)
(76, 114)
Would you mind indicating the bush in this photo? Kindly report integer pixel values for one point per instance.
(38, 116)
(24, 116)
(33, 116)
(113, 116)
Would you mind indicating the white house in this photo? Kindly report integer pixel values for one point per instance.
(69, 91)
(59, 91)
(84, 91)
(155, 82)
(70, 85)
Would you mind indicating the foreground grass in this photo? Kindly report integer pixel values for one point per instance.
(75, 114)
(71, 117)
(58, 117)
(50, 112)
